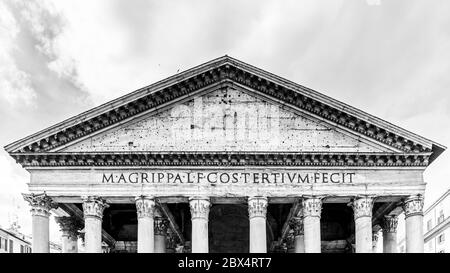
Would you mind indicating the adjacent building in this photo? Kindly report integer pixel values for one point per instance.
(13, 242)
(437, 225)
(226, 157)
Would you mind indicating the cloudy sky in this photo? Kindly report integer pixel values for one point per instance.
(59, 58)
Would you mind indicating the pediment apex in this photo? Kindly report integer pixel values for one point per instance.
(222, 71)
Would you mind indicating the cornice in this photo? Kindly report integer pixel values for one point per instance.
(222, 159)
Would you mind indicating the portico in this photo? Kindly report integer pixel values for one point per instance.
(226, 157)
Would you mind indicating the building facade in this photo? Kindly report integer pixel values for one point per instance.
(12, 242)
(437, 225)
(226, 157)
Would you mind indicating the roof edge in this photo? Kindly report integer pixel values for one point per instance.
(174, 79)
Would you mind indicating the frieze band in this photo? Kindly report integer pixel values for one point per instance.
(229, 178)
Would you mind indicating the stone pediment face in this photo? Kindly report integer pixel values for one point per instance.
(144, 125)
(225, 119)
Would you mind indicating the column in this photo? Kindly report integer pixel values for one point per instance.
(296, 224)
(93, 207)
(199, 216)
(41, 205)
(413, 208)
(257, 209)
(389, 226)
(161, 225)
(362, 210)
(375, 238)
(312, 208)
(145, 208)
(70, 227)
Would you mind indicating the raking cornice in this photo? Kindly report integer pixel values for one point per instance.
(227, 71)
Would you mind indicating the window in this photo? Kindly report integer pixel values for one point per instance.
(441, 217)
(22, 250)
(429, 225)
(11, 246)
(441, 238)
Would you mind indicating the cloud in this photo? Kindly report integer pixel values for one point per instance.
(15, 84)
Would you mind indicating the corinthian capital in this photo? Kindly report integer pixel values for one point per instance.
(312, 206)
(199, 207)
(93, 206)
(296, 224)
(145, 206)
(413, 205)
(70, 226)
(389, 223)
(160, 225)
(41, 204)
(257, 206)
(362, 207)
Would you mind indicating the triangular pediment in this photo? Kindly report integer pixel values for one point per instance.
(309, 120)
(226, 119)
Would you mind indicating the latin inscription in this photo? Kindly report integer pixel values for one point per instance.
(228, 177)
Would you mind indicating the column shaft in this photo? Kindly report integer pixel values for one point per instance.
(41, 204)
(362, 208)
(41, 234)
(199, 217)
(257, 209)
(299, 243)
(70, 227)
(375, 237)
(93, 216)
(93, 236)
(413, 208)
(145, 207)
(312, 208)
(161, 225)
(296, 224)
(69, 244)
(389, 242)
(363, 235)
(146, 241)
(390, 234)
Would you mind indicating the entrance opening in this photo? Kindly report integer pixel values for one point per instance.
(228, 229)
